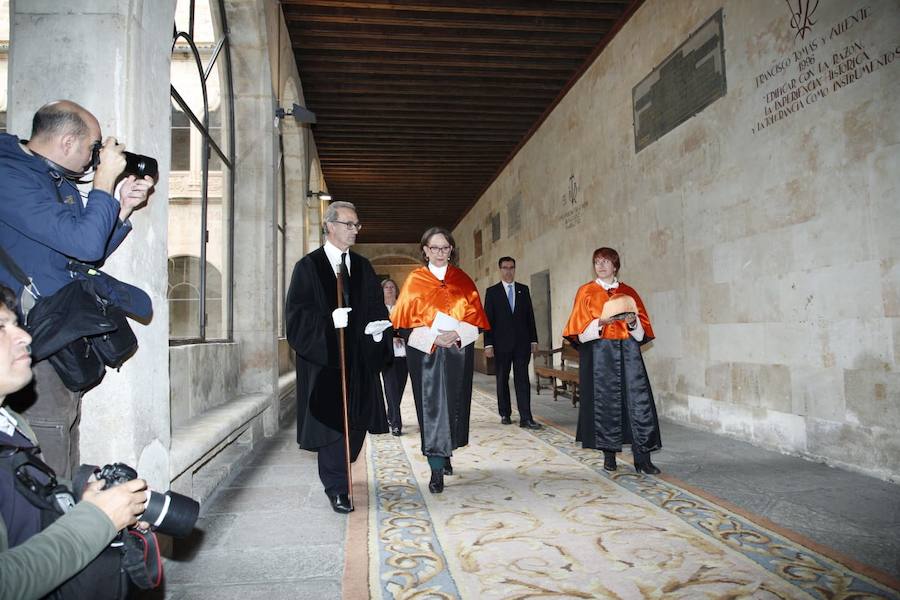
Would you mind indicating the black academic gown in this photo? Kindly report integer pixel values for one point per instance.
(615, 398)
(310, 331)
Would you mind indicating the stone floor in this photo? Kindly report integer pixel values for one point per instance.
(269, 532)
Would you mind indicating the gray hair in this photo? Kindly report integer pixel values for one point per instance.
(331, 213)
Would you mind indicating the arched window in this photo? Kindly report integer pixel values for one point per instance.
(184, 296)
(201, 186)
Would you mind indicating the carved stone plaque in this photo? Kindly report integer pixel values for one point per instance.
(688, 81)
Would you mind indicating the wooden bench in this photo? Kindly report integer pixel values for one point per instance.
(562, 378)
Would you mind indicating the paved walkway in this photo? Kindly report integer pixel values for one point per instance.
(270, 533)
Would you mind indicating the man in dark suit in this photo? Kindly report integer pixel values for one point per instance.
(511, 340)
(313, 320)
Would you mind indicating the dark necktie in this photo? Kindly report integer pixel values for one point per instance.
(345, 279)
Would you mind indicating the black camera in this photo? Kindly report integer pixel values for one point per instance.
(169, 513)
(135, 164)
(140, 166)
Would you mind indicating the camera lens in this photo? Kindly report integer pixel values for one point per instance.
(171, 513)
(140, 166)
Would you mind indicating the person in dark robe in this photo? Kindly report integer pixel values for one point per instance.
(313, 319)
(440, 315)
(394, 375)
(608, 325)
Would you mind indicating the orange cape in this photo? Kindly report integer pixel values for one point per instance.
(423, 295)
(588, 306)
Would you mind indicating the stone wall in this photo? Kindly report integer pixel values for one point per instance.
(761, 233)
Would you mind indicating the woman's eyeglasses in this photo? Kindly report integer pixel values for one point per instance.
(441, 249)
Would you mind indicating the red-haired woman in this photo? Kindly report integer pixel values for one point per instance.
(608, 324)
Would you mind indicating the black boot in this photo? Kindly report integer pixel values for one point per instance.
(609, 460)
(642, 464)
(436, 485)
(448, 468)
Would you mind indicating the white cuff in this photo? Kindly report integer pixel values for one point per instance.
(591, 332)
(467, 332)
(422, 339)
(638, 332)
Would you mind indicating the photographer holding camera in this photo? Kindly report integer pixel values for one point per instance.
(36, 559)
(45, 223)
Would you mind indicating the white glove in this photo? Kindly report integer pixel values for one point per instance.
(340, 317)
(376, 329)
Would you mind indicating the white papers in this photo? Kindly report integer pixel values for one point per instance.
(468, 333)
(444, 322)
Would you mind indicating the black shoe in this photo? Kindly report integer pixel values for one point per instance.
(436, 485)
(609, 461)
(506, 421)
(340, 503)
(448, 468)
(395, 430)
(647, 467)
(530, 425)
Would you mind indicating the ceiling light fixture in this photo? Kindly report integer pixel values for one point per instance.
(301, 114)
(320, 195)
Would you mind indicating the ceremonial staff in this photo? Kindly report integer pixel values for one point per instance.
(344, 394)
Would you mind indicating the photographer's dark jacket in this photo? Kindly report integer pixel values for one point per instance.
(44, 223)
(310, 331)
(40, 564)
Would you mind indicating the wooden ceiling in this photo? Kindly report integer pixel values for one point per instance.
(421, 103)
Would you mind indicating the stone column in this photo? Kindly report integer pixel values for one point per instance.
(254, 203)
(113, 58)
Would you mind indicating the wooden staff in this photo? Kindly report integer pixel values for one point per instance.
(344, 394)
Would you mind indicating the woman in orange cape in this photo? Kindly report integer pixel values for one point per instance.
(608, 324)
(439, 312)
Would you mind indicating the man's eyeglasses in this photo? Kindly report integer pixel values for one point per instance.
(350, 225)
(441, 249)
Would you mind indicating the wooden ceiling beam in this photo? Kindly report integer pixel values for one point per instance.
(519, 8)
(307, 57)
(438, 103)
(415, 70)
(345, 44)
(505, 22)
(312, 80)
(301, 30)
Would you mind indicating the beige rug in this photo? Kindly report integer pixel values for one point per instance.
(531, 515)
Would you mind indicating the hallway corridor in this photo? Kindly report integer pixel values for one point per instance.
(270, 533)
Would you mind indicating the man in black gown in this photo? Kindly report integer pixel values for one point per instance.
(313, 319)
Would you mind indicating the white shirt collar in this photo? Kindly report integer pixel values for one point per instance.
(608, 286)
(8, 423)
(439, 272)
(506, 285)
(334, 255)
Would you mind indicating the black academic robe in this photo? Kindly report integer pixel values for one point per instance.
(615, 398)
(310, 331)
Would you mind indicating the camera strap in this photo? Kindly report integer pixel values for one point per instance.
(46, 495)
(59, 172)
(141, 558)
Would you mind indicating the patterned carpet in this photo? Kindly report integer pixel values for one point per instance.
(532, 515)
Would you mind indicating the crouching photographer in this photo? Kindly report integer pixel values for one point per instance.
(51, 545)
